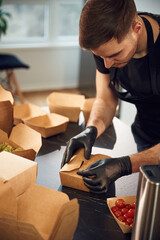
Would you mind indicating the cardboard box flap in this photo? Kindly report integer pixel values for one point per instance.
(86, 108)
(23, 112)
(79, 162)
(67, 221)
(41, 214)
(6, 116)
(19, 172)
(49, 124)
(5, 95)
(26, 137)
(48, 120)
(3, 136)
(87, 104)
(12, 229)
(66, 99)
(8, 203)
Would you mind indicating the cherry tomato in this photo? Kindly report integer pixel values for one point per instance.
(130, 213)
(133, 205)
(125, 215)
(118, 213)
(131, 225)
(124, 210)
(126, 223)
(128, 206)
(114, 209)
(121, 218)
(129, 220)
(120, 203)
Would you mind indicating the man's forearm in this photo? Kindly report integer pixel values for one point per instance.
(149, 156)
(101, 116)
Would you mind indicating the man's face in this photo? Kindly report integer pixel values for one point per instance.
(117, 54)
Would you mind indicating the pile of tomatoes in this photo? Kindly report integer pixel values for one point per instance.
(124, 212)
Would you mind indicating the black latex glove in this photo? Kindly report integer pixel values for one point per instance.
(84, 139)
(99, 175)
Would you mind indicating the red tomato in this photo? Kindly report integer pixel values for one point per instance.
(133, 205)
(131, 225)
(120, 203)
(124, 210)
(121, 218)
(126, 223)
(114, 209)
(128, 206)
(118, 213)
(125, 215)
(130, 213)
(129, 220)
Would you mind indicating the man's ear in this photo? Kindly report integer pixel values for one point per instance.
(137, 26)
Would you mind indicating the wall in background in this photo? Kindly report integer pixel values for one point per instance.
(54, 68)
(148, 6)
(44, 34)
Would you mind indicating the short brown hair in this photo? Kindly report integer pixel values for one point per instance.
(101, 20)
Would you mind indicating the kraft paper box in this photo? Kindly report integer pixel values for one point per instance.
(19, 172)
(66, 104)
(6, 110)
(86, 108)
(49, 124)
(25, 138)
(42, 214)
(24, 112)
(68, 173)
(111, 202)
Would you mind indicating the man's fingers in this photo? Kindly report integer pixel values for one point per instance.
(85, 173)
(64, 158)
(87, 152)
(91, 181)
(95, 189)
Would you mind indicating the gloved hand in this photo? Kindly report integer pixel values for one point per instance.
(99, 175)
(84, 139)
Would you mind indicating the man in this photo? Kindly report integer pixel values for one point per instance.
(126, 48)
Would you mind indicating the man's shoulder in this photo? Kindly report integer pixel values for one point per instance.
(152, 15)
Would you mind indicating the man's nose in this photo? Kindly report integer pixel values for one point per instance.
(108, 62)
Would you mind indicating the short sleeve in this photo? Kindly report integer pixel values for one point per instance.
(100, 65)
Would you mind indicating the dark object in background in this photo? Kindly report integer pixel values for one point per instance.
(8, 63)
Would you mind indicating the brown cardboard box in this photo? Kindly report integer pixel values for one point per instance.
(49, 124)
(111, 203)
(24, 112)
(86, 108)
(24, 137)
(66, 104)
(42, 214)
(6, 110)
(18, 171)
(68, 174)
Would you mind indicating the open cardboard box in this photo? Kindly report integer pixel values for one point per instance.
(19, 172)
(111, 202)
(49, 124)
(38, 214)
(6, 110)
(86, 108)
(24, 112)
(66, 104)
(24, 137)
(68, 173)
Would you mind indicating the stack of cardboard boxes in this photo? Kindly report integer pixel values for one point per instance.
(28, 211)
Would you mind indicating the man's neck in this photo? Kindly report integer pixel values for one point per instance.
(142, 42)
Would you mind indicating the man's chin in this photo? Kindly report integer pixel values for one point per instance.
(120, 65)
